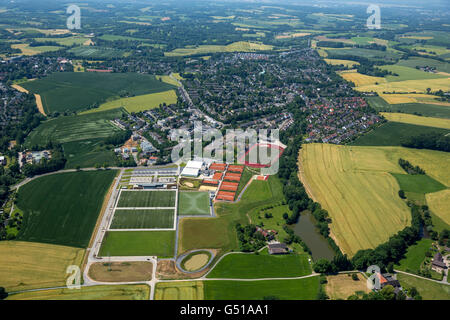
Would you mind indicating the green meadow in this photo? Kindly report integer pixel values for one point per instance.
(298, 289)
(418, 183)
(263, 265)
(414, 256)
(139, 103)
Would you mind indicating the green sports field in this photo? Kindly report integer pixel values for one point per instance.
(298, 289)
(194, 203)
(63, 208)
(146, 199)
(138, 243)
(143, 219)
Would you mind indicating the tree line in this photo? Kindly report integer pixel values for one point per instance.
(432, 141)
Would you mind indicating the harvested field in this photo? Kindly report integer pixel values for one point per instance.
(30, 265)
(116, 292)
(229, 187)
(342, 286)
(439, 203)
(189, 290)
(355, 186)
(360, 79)
(138, 243)
(407, 86)
(407, 98)
(196, 262)
(417, 120)
(121, 271)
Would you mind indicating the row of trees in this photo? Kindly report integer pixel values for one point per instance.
(432, 141)
(297, 198)
(55, 163)
(409, 168)
(250, 240)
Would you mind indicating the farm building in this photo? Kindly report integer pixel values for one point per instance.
(147, 147)
(438, 263)
(278, 248)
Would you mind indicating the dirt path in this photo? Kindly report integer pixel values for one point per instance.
(301, 176)
(39, 104)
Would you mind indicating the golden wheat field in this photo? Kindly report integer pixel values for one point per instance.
(186, 290)
(394, 98)
(115, 292)
(355, 185)
(337, 62)
(439, 203)
(360, 79)
(342, 286)
(408, 86)
(417, 120)
(33, 265)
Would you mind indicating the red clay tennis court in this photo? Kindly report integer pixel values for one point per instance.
(214, 182)
(218, 166)
(232, 178)
(217, 176)
(228, 187)
(235, 168)
(223, 195)
(227, 183)
(232, 174)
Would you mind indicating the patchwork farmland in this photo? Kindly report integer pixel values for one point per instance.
(76, 91)
(331, 173)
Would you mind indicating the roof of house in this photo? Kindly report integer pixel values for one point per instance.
(438, 257)
(439, 264)
(277, 248)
